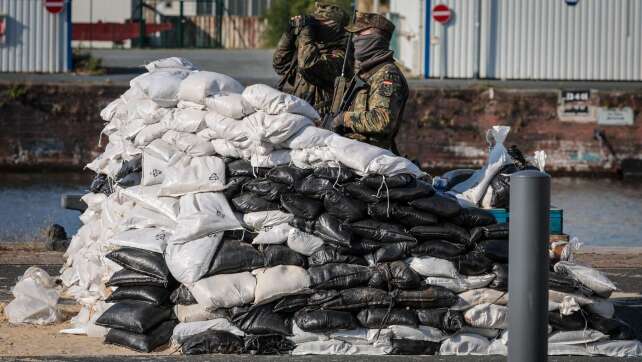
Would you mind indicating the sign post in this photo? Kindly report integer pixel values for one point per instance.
(54, 6)
(442, 14)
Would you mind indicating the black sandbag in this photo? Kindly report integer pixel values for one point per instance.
(404, 215)
(267, 189)
(343, 207)
(142, 261)
(328, 254)
(131, 278)
(494, 249)
(335, 174)
(314, 187)
(288, 175)
(282, 255)
(438, 204)
(574, 322)
(362, 247)
(261, 319)
(137, 317)
(142, 342)
(234, 186)
(291, 303)
(420, 189)
(427, 297)
(249, 202)
(234, 257)
(212, 341)
(322, 320)
(240, 235)
(330, 229)
(473, 217)
(392, 252)
(383, 317)
(454, 177)
(445, 231)
(267, 344)
(500, 186)
(472, 263)
(302, 224)
(301, 206)
(613, 327)
(413, 347)
(437, 248)
(380, 231)
(361, 192)
(339, 276)
(182, 296)
(501, 277)
(101, 183)
(450, 321)
(564, 283)
(395, 275)
(239, 168)
(359, 298)
(147, 294)
(322, 296)
(400, 180)
(495, 231)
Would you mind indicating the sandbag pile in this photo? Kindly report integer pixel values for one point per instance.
(223, 221)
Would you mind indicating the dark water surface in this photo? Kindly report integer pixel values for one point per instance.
(599, 211)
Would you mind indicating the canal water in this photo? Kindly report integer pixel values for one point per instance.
(599, 211)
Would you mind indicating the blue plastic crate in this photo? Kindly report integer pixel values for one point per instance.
(556, 221)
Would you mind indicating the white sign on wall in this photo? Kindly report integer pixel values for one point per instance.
(615, 116)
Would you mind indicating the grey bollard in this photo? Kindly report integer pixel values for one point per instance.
(528, 266)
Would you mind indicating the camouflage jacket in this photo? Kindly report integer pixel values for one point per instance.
(308, 67)
(375, 112)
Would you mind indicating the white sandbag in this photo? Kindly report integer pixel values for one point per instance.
(187, 174)
(313, 157)
(489, 333)
(189, 143)
(336, 347)
(161, 86)
(278, 128)
(577, 337)
(196, 313)
(224, 290)
(428, 266)
(308, 137)
(189, 261)
(171, 62)
(141, 217)
(589, 277)
(149, 133)
(230, 105)
(273, 235)
(190, 105)
(183, 331)
(487, 316)
(392, 165)
(151, 239)
(273, 101)
(156, 156)
(273, 159)
(109, 111)
(132, 128)
(631, 348)
(464, 344)
(185, 120)
(568, 306)
(360, 336)
(471, 298)
(497, 347)
(238, 133)
(148, 196)
(35, 299)
(200, 85)
(568, 350)
(421, 333)
(463, 283)
(149, 111)
(226, 149)
(262, 220)
(279, 281)
(202, 214)
(559, 297)
(303, 243)
(300, 336)
(354, 154)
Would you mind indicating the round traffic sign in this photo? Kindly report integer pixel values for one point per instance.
(441, 13)
(54, 6)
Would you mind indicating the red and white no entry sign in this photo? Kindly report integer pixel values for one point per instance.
(441, 13)
(54, 6)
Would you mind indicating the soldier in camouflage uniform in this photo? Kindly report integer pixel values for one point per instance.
(309, 56)
(375, 109)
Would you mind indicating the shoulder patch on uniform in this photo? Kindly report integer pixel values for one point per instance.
(387, 88)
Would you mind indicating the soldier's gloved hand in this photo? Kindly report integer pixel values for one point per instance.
(338, 125)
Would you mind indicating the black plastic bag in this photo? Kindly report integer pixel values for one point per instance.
(335, 174)
(314, 187)
(495, 231)
(445, 231)
(267, 344)
(301, 206)
(564, 283)
(400, 180)
(240, 235)
(282, 255)
(395, 275)
(142, 342)
(404, 215)
(613, 327)
(101, 183)
(402, 194)
(454, 177)
(322, 320)
(339, 276)
(363, 247)
(330, 229)
(147, 294)
(413, 347)
(392, 252)
(359, 298)
(473, 263)
(130, 278)
(268, 190)
(234, 257)
(380, 231)
(302, 224)
(182, 296)
(501, 277)
(137, 317)
(500, 184)
(328, 254)
(383, 317)
(234, 186)
(142, 261)
(248, 202)
(437, 248)
(291, 303)
(343, 207)
(211, 341)
(473, 217)
(576, 321)
(261, 319)
(361, 192)
(428, 297)
(438, 204)
(288, 175)
(239, 168)
(450, 321)
(494, 249)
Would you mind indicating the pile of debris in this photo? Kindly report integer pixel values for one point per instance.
(223, 221)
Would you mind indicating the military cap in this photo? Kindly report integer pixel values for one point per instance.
(370, 20)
